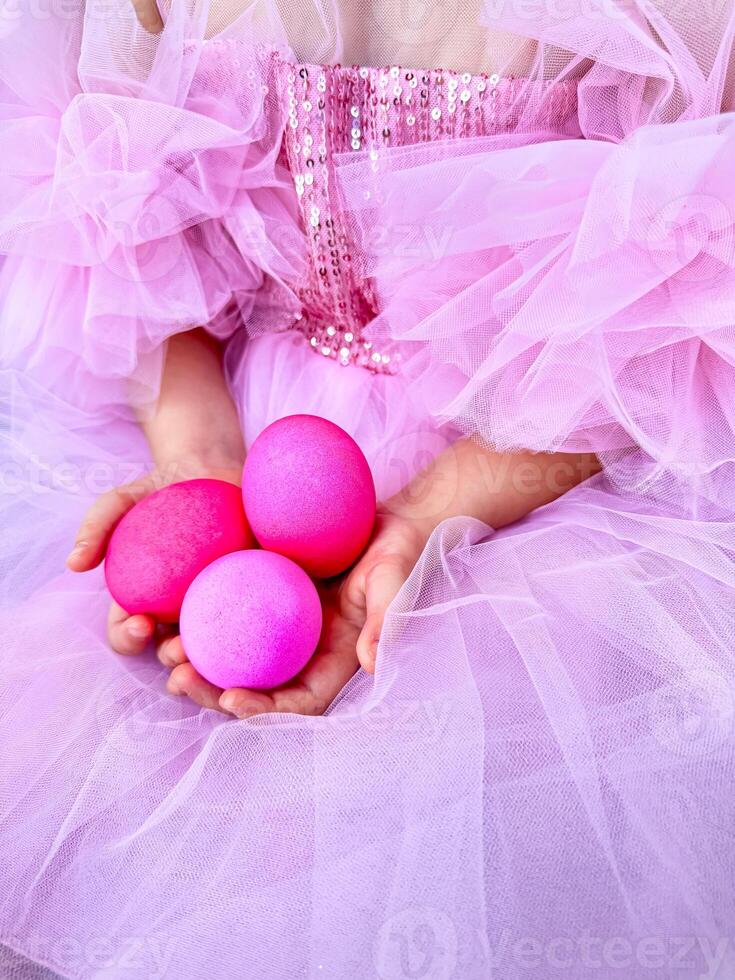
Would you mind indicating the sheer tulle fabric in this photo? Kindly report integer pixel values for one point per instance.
(539, 777)
(143, 185)
(580, 298)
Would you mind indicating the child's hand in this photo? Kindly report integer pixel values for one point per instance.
(378, 577)
(465, 480)
(130, 635)
(354, 609)
(193, 433)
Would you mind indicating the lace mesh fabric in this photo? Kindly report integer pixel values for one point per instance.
(539, 777)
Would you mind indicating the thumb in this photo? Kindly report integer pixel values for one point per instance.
(100, 521)
(382, 584)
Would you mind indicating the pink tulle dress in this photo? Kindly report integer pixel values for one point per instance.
(538, 781)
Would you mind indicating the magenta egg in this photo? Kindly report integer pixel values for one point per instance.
(309, 494)
(251, 619)
(161, 545)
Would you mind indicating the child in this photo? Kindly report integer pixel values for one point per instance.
(506, 267)
(195, 431)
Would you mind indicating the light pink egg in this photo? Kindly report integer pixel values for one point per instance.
(161, 545)
(309, 494)
(251, 619)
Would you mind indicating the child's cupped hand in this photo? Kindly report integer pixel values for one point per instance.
(354, 609)
(130, 635)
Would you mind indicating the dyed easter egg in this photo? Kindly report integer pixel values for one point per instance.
(161, 545)
(309, 494)
(251, 619)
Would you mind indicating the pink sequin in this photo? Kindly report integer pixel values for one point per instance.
(331, 109)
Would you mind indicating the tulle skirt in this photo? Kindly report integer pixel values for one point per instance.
(538, 777)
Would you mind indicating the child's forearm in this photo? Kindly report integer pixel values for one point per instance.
(195, 420)
(497, 488)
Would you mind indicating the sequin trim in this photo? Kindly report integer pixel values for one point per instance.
(334, 109)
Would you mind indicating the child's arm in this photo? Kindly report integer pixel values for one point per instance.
(195, 418)
(466, 480)
(194, 431)
(148, 15)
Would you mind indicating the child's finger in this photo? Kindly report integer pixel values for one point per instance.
(382, 585)
(312, 691)
(98, 524)
(185, 680)
(243, 703)
(128, 635)
(171, 651)
(148, 15)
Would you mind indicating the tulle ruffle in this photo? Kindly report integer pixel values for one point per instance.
(583, 297)
(139, 205)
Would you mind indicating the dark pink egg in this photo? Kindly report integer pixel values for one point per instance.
(309, 494)
(251, 619)
(161, 545)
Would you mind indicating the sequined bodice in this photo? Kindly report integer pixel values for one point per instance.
(335, 109)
